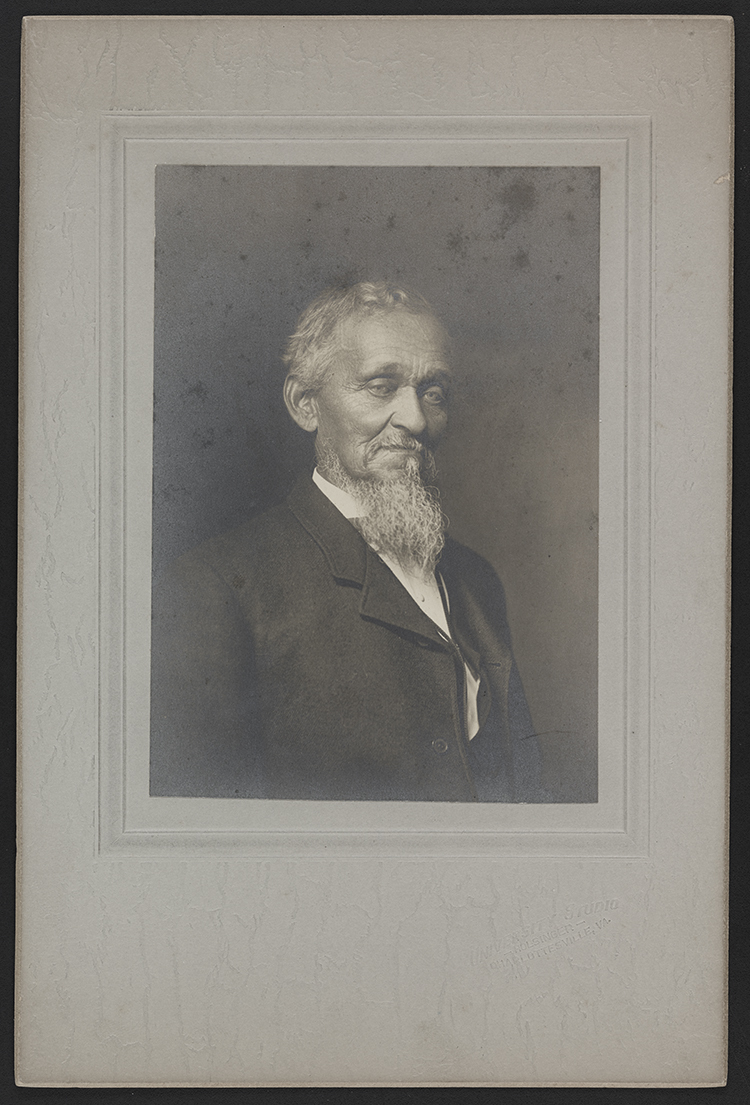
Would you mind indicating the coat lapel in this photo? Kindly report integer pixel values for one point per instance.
(474, 615)
(350, 559)
(384, 599)
(342, 546)
(479, 639)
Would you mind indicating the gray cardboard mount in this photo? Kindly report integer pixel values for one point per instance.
(202, 942)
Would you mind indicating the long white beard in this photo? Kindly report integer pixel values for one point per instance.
(401, 516)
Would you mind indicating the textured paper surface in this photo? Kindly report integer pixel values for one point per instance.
(552, 947)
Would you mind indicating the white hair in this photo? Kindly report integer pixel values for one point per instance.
(311, 350)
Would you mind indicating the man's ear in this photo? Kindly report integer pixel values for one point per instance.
(301, 404)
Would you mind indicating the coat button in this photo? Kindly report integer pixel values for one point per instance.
(440, 745)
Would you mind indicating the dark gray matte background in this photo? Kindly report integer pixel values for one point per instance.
(509, 258)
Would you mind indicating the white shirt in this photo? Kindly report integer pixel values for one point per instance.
(423, 589)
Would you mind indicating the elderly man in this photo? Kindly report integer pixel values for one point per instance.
(339, 646)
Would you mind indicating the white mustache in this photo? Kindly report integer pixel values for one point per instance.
(403, 447)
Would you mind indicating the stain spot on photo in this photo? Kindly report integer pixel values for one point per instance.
(519, 197)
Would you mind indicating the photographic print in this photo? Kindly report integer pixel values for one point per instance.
(266, 680)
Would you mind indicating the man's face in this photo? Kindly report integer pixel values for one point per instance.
(387, 396)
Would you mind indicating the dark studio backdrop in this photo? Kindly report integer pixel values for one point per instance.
(509, 259)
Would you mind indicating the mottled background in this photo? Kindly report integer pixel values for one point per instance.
(509, 259)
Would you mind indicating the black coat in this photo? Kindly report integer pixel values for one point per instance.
(289, 662)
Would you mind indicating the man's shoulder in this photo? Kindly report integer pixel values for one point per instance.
(264, 543)
(253, 536)
(466, 564)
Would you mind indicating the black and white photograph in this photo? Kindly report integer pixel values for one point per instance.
(375, 483)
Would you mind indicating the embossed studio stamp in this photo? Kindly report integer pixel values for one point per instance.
(547, 937)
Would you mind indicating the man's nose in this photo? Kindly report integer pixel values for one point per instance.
(408, 414)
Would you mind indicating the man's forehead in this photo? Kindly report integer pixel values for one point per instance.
(398, 332)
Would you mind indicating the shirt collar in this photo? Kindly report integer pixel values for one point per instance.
(342, 500)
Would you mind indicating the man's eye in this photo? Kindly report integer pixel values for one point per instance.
(436, 395)
(381, 387)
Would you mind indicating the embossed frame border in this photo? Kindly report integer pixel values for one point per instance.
(130, 822)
